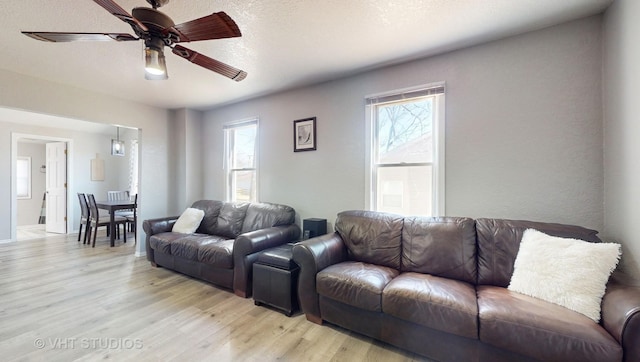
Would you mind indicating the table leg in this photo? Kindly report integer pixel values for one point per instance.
(112, 225)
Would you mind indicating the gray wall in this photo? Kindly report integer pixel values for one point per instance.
(187, 145)
(523, 131)
(621, 131)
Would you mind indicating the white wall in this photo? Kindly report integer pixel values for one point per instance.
(621, 131)
(187, 145)
(523, 131)
(40, 96)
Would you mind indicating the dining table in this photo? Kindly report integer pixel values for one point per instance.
(113, 206)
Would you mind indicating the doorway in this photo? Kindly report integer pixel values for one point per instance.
(56, 219)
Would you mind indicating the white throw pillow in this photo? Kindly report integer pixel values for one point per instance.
(189, 221)
(569, 272)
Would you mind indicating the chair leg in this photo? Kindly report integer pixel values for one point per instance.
(95, 233)
(80, 232)
(87, 233)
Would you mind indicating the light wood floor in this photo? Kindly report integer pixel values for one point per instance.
(27, 232)
(64, 301)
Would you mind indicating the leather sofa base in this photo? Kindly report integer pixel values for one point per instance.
(213, 275)
(431, 343)
(368, 323)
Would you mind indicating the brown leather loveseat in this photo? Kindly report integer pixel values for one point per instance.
(225, 245)
(438, 287)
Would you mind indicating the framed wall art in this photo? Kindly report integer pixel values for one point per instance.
(97, 169)
(304, 134)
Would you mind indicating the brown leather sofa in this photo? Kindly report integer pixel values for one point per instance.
(225, 245)
(438, 287)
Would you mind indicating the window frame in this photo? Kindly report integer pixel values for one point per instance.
(438, 161)
(228, 162)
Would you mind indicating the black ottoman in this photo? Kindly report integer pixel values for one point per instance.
(275, 279)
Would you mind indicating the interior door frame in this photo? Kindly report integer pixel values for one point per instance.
(15, 137)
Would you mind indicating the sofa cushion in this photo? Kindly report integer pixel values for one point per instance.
(439, 303)
(218, 253)
(230, 219)
(355, 283)
(187, 246)
(162, 241)
(569, 272)
(499, 241)
(211, 210)
(541, 330)
(441, 246)
(266, 215)
(371, 237)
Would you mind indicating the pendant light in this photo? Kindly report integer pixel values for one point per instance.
(117, 146)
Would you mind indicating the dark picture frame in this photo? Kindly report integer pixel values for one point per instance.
(304, 134)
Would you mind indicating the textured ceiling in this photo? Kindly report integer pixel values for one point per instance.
(285, 43)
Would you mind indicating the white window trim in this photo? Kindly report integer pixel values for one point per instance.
(438, 177)
(225, 163)
(439, 160)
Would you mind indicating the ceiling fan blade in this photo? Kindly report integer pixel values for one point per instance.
(209, 63)
(122, 14)
(215, 26)
(66, 37)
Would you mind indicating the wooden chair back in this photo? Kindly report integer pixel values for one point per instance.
(84, 208)
(117, 195)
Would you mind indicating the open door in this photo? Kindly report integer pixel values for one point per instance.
(56, 188)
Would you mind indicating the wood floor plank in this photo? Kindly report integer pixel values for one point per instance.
(61, 300)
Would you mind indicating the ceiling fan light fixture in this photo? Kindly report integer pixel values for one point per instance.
(154, 63)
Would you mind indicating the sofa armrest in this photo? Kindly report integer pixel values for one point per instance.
(312, 256)
(621, 317)
(161, 225)
(246, 248)
(156, 226)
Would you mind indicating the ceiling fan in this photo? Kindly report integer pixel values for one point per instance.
(157, 30)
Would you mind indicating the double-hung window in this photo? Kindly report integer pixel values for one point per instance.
(405, 173)
(240, 139)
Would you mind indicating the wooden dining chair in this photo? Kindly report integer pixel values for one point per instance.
(97, 220)
(84, 217)
(117, 195)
